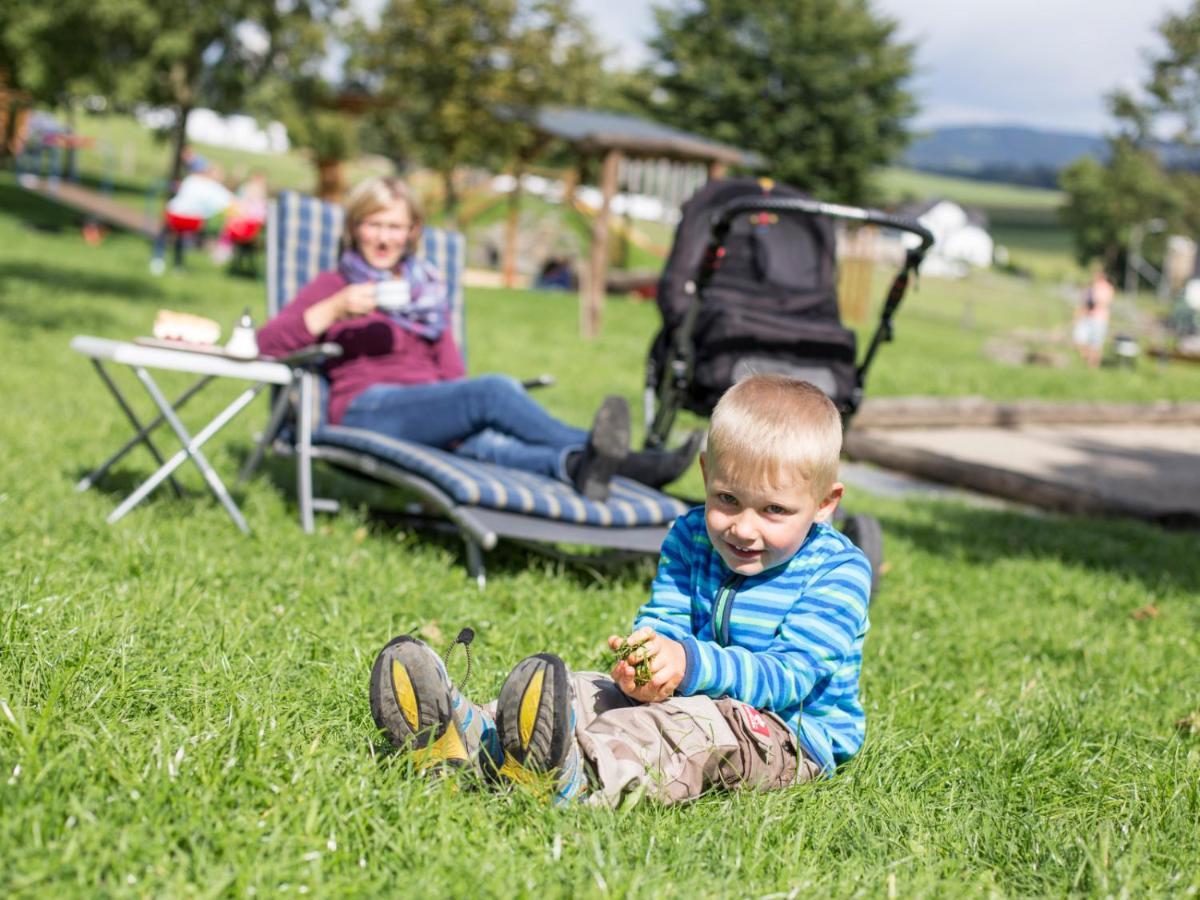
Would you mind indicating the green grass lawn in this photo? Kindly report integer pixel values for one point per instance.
(183, 709)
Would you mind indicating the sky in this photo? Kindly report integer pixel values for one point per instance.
(1042, 63)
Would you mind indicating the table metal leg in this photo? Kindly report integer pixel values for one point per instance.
(191, 449)
(143, 432)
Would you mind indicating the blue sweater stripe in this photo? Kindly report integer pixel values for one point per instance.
(796, 632)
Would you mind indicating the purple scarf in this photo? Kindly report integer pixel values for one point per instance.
(428, 312)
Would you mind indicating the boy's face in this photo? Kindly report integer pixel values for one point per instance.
(756, 527)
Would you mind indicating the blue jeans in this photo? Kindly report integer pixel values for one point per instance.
(489, 418)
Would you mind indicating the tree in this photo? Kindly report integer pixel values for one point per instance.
(814, 86)
(42, 56)
(448, 76)
(1107, 201)
(1168, 104)
(179, 55)
(214, 54)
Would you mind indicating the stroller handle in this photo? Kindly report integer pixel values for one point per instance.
(724, 217)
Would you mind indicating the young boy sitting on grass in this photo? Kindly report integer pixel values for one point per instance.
(745, 662)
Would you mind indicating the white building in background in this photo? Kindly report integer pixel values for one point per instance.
(961, 239)
(207, 127)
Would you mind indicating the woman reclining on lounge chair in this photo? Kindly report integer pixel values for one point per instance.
(402, 375)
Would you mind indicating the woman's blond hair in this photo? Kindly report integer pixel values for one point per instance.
(373, 194)
(772, 430)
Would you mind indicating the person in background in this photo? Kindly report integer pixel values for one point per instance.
(201, 196)
(401, 373)
(244, 218)
(1091, 318)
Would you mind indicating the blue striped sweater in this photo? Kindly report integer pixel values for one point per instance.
(788, 640)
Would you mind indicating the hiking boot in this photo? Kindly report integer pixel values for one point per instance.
(415, 704)
(657, 468)
(607, 445)
(535, 717)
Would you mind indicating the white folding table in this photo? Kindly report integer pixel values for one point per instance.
(141, 359)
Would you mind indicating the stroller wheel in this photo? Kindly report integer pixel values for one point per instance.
(867, 535)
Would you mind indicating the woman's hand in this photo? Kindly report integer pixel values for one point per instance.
(355, 300)
(350, 302)
(666, 658)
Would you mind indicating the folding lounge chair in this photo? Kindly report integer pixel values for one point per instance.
(483, 502)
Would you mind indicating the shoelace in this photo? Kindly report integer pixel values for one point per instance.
(464, 637)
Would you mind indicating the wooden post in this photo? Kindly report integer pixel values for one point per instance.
(593, 306)
(857, 259)
(509, 264)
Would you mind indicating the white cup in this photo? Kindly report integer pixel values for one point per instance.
(392, 295)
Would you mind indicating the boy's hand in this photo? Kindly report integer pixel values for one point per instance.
(667, 662)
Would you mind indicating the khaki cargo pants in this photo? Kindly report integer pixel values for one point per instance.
(682, 747)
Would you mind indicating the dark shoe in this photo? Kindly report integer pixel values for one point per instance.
(607, 446)
(660, 467)
(414, 703)
(535, 716)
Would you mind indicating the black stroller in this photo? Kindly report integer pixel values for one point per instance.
(751, 286)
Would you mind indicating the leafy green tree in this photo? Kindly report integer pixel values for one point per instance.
(173, 54)
(814, 86)
(42, 54)
(451, 77)
(1105, 200)
(1167, 106)
(213, 54)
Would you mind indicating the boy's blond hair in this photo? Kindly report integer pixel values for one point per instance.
(373, 194)
(770, 429)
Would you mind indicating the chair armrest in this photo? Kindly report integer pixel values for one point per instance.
(312, 355)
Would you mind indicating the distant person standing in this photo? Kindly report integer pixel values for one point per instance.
(201, 196)
(1091, 318)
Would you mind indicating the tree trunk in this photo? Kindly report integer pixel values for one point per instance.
(451, 199)
(180, 139)
(511, 229)
(330, 180)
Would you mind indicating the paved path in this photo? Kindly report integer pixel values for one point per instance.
(1148, 471)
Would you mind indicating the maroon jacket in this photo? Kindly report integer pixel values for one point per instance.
(377, 349)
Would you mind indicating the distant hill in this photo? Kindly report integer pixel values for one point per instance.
(1013, 154)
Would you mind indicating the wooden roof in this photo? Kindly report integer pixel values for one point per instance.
(595, 131)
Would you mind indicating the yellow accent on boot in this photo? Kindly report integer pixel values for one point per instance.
(541, 784)
(406, 697)
(448, 748)
(531, 700)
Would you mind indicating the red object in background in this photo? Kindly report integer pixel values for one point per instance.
(184, 224)
(243, 231)
(70, 141)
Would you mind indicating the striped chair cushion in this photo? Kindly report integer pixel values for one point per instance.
(475, 483)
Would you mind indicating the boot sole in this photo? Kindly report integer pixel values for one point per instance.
(532, 717)
(411, 704)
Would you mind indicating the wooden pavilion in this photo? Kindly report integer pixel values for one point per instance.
(645, 153)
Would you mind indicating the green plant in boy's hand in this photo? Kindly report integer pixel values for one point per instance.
(641, 668)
